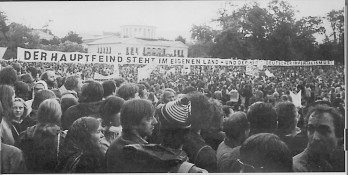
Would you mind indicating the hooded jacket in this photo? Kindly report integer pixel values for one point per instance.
(40, 145)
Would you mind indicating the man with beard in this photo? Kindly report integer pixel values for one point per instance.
(324, 151)
(50, 78)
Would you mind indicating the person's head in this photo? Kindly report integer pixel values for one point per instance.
(236, 126)
(143, 94)
(17, 67)
(262, 117)
(40, 97)
(265, 152)
(91, 92)
(86, 134)
(49, 76)
(27, 78)
(173, 117)
(39, 85)
(188, 90)
(128, 91)
(22, 90)
(325, 127)
(8, 75)
(49, 112)
(168, 95)
(110, 111)
(74, 83)
(60, 81)
(228, 110)
(20, 109)
(109, 87)
(138, 115)
(67, 102)
(119, 81)
(33, 72)
(202, 112)
(287, 117)
(218, 115)
(7, 95)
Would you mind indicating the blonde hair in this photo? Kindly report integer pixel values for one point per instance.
(49, 112)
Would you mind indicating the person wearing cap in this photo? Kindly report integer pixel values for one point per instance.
(39, 85)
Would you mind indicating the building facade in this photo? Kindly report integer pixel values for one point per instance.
(138, 40)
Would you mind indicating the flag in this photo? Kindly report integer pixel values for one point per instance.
(269, 74)
(296, 98)
(2, 52)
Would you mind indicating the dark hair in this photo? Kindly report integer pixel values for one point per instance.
(235, 125)
(8, 75)
(338, 119)
(6, 94)
(119, 81)
(286, 117)
(1, 111)
(262, 117)
(21, 90)
(267, 150)
(17, 67)
(226, 109)
(71, 82)
(201, 111)
(146, 84)
(110, 106)
(33, 72)
(134, 110)
(91, 92)
(67, 102)
(26, 78)
(109, 87)
(127, 90)
(188, 90)
(41, 96)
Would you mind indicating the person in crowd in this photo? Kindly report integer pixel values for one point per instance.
(237, 129)
(33, 72)
(89, 103)
(198, 151)
(39, 85)
(110, 113)
(20, 111)
(288, 131)
(81, 151)
(143, 94)
(213, 135)
(228, 110)
(22, 90)
(32, 118)
(60, 81)
(71, 88)
(137, 120)
(109, 87)
(265, 152)
(40, 143)
(167, 95)
(119, 81)
(324, 151)
(8, 76)
(128, 91)
(12, 159)
(7, 96)
(50, 78)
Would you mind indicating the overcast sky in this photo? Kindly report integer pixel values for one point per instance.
(172, 18)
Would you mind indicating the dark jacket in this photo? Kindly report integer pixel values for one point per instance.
(80, 110)
(199, 153)
(12, 160)
(116, 160)
(40, 145)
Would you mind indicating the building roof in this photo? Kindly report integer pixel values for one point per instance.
(138, 41)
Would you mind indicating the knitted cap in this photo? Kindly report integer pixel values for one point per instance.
(176, 113)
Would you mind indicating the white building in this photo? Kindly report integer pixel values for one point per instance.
(137, 40)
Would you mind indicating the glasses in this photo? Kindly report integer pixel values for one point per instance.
(249, 168)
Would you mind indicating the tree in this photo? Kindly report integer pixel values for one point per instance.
(3, 27)
(67, 46)
(180, 38)
(202, 33)
(73, 37)
(336, 19)
(20, 36)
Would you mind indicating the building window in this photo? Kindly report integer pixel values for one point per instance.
(164, 51)
(109, 49)
(174, 52)
(136, 50)
(132, 50)
(127, 51)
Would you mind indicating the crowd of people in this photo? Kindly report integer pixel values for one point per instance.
(56, 119)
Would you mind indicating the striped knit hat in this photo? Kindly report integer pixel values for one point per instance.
(176, 113)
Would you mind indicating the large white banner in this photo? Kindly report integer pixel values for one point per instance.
(38, 55)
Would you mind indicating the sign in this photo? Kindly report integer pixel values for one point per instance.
(38, 55)
(2, 52)
(252, 70)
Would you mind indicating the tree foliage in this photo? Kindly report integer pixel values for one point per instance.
(72, 37)
(180, 38)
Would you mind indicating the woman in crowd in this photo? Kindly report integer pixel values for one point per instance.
(81, 152)
(20, 111)
(7, 95)
(40, 143)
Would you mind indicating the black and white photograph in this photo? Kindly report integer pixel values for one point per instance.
(238, 86)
